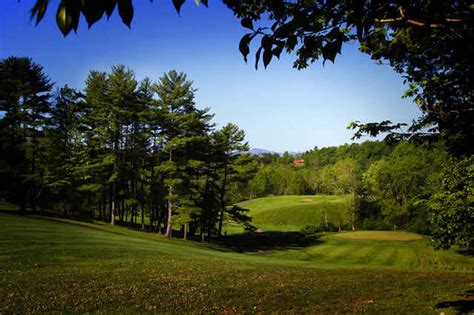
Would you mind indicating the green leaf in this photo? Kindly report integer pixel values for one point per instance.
(125, 9)
(267, 42)
(278, 49)
(285, 30)
(244, 45)
(246, 22)
(75, 15)
(330, 50)
(63, 18)
(267, 57)
(93, 11)
(177, 5)
(291, 42)
(110, 7)
(38, 10)
(257, 57)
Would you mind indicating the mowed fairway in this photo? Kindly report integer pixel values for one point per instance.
(380, 236)
(335, 252)
(49, 266)
(291, 213)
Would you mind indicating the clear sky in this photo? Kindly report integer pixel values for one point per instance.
(279, 108)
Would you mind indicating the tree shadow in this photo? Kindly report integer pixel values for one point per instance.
(251, 242)
(468, 252)
(462, 306)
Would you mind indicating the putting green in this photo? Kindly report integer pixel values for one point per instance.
(380, 236)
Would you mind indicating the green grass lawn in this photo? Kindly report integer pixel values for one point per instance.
(50, 266)
(291, 213)
(6, 206)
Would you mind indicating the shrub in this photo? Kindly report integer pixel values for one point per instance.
(310, 229)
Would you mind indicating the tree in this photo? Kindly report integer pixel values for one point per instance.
(453, 215)
(61, 149)
(428, 42)
(344, 177)
(24, 104)
(404, 180)
(183, 129)
(229, 141)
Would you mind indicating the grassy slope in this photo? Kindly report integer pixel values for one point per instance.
(291, 213)
(380, 236)
(50, 266)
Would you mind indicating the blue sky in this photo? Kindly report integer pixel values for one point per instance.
(280, 108)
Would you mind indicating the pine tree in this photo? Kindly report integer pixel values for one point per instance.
(60, 152)
(184, 129)
(25, 102)
(229, 141)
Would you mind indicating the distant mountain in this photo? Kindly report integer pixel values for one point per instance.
(258, 151)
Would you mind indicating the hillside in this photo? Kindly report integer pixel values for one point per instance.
(66, 266)
(291, 213)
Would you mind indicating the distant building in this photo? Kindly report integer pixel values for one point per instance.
(298, 162)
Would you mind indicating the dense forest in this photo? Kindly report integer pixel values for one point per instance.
(390, 186)
(136, 152)
(142, 153)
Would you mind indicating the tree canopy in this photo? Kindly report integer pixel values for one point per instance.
(428, 42)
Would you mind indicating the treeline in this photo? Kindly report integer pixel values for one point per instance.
(142, 153)
(390, 186)
(121, 150)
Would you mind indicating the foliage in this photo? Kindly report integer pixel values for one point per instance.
(389, 186)
(323, 227)
(24, 107)
(403, 180)
(120, 150)
(309, 230)
(428, 43)
(453, 206)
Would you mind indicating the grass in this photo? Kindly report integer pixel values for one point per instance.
(63, 266)
(291, 213)
(380, 236)
(6, 206)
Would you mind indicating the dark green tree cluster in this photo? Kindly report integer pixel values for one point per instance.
(453, 205)
(429, 43)
(387, 186)
(136, 152)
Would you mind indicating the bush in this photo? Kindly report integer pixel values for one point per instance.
(375, 224)
(310, 230)
(329, 228)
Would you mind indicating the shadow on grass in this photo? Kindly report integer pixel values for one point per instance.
(466, 252)
(266, 242)
(463, 306)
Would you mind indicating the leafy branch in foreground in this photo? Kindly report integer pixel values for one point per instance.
(429, 43)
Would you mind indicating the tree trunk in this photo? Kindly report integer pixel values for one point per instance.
(169, 227)
(353, 221)
(222, 205)
(354, 209)
(185, 236)
(143, 217)
(142, 196)
(112, 211)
